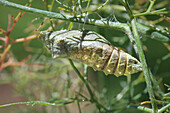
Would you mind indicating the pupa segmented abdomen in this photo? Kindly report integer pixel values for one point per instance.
(92, 49)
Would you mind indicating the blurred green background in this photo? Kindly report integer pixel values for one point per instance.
(49, 80)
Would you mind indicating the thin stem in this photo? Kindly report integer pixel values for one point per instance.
(9, 22)
(80, 5)
(157, 12)
(149, 12)
(85, 70)
(126, 5)
(15, 21)
(151, 5)
(51, 6)
(63, 5)
(129, 82)
(73, 8)
(107, 1)
(92, 100)
(156, 85)
(2, 57)
(144, 65)
(81, 77)
(22, 39)
(3, 31)
(144, 109)
(116, 25)
(78, 104)
(88, 4)
(44, 103)
(46, 5)
(28, 4)
(164, 108)
(141, 56)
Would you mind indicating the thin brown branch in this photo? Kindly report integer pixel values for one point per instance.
(3, 31)
(9, 22)
(25, 39)
(167, 19)
(19, 64)
(22, 39)
(22, 63)
(2, 38)
(15, 21)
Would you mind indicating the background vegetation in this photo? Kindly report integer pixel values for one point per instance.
(30, 76)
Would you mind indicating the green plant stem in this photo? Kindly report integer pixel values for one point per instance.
(78, 104)
(149, 12)
(116, 25)
(63, 5)
(80, 6)
(150, 110)
(129, 82)
(151, 5)
(51, 5)
(126, 5)
(82, 78)
(46, 5)
(103, 5)
(144, 65)
(88, 4)
(43, 103)
(93, 100)
(164, 108)
(157, 12)
(144, 109)
(156, 85)
(141, 56)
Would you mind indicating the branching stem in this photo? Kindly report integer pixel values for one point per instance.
(92, 100)
(141, 57)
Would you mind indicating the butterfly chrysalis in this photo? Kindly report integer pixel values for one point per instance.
(92, 49)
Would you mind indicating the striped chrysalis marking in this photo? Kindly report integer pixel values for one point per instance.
(92, 49)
